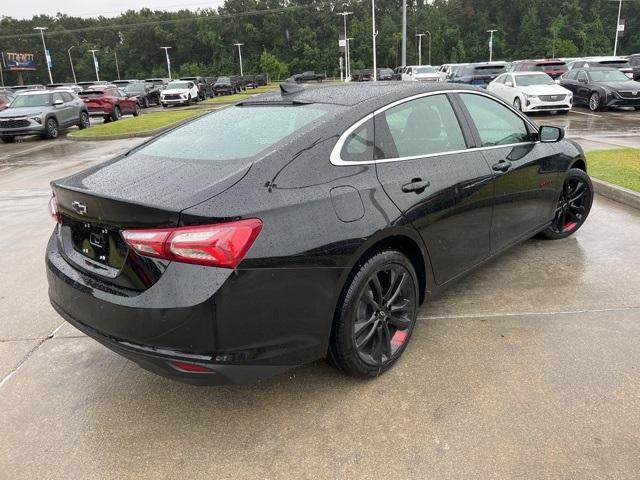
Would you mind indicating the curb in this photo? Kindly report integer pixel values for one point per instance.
(616, 193)
(148, 133)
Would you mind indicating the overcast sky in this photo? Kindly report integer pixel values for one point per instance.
(21, 10)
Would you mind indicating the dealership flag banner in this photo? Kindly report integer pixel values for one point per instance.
(49, 63)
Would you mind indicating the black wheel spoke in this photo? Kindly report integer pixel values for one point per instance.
(360, 326)
(385, 340)
(360, 343)
(401, 323)
(397, 289)
(377, 288)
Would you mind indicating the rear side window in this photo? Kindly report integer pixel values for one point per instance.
(232, 133)
(358, 147)
(496, 124)
(418, 127)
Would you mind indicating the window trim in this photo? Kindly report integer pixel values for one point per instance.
(337, 160)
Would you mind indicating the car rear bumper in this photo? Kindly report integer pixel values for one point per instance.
(241, 325)
(99, 112)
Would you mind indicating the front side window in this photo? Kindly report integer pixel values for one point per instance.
(582, 77)
(496, 124)
(424, 126)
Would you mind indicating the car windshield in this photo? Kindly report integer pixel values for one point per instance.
(38, 100)
(386, 71)
(608, 76)
(488, 70)
(223, 80)
(178, 85)
(425, 70)
(527, 80)
(233, 133)
(134, 88)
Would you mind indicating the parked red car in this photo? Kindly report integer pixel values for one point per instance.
(109, 103)
(551, 66)
(5, 100)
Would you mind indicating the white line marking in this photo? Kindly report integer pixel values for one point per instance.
(524, 314)
(584, 113)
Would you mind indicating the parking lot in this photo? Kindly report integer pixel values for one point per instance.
(530, 364)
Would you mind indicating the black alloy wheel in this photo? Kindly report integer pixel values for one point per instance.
(573, 207)
(594, 102)
(51, 128)
(377, 315)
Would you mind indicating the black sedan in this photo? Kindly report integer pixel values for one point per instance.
(283, 229)
(144, 93)
(599, 88)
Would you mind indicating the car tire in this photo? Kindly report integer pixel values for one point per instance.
(51, 129)
(136, 110)
(106, 118)
(594, 102)
(573, 206)
(84, 121)
(164, 105)
(189, 101)
(145, 102)
(366, 339)
(8, 138)
(116, 114)
(517, 104)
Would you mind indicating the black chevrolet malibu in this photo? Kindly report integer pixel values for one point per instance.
(303, 224)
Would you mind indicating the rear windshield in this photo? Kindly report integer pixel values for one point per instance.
(545, 67)
(38, 100)
(615, 63)
(484, 70)
(91, 93)
(233, 133)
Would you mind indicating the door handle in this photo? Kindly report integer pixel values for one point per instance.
(416, 185)
(501, 166)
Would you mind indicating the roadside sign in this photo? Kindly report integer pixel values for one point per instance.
(621, 28)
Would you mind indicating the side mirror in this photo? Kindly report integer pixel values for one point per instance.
(549, 134)
(509, 83)
(582, 80)
(57, 103)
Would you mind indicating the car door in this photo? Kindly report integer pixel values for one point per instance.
(582, 87)
(443, 189)
(570, 82)
(63, 110)
(74, 107)
(526, 175)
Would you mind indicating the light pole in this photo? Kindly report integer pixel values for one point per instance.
(73, 72)
(420, 35)
(404, 33)
(95, 63)
(491, 44)
(349, 56)
(553, 48)
(374, 33)
(429, 33)
(46, 53)
(346, 42)
(615, 43)
(166, 53)
(240, 55)
(115, 54)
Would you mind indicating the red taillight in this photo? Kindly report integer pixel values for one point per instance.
(190, 367)
(53, 208)
(218, 245)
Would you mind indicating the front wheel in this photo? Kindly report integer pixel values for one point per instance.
(189, 101)
(517, 104)
(376, 315)
(573, 207)
(51, 128)
(136, 110)
(594, 102)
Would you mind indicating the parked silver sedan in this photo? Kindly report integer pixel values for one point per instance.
(42, 112)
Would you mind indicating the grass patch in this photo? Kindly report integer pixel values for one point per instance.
(620, 166)
(147, 122)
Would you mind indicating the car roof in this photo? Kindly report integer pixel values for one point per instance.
(34, 92)
(375, 93)
(524, 74)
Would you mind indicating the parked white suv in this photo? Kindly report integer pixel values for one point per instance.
(420, 73)
(179, 93)
(532, 92)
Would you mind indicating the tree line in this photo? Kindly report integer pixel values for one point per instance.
(283, 37)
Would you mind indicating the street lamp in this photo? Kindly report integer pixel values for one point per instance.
(420, 35)
(240, 55)
(73, 72)
(491, 44)
(429, 33)
(46, 53)
(115, 54)
(95, 63)
(404, 33)
(166, 52)
(349, 56)
(346, 51)
(615, 44)
(373, 36)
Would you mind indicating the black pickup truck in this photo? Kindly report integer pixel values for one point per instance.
(310, 77)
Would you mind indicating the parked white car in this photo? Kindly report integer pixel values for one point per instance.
(446, 70)
(420, 73)
(532, 92)
(179, 93)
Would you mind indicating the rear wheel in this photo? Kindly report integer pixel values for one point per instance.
(594, 102)
(145, 102)
(376, 315)
(51, 128)
(116, 114)
(573, 206)
(84, 121)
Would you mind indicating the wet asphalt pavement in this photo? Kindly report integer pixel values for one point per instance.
(528, 368)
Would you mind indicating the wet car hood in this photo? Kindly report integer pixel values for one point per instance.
(629, 86)
(22, 111)
(174, 91)
(544, 90)
(143, 180)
